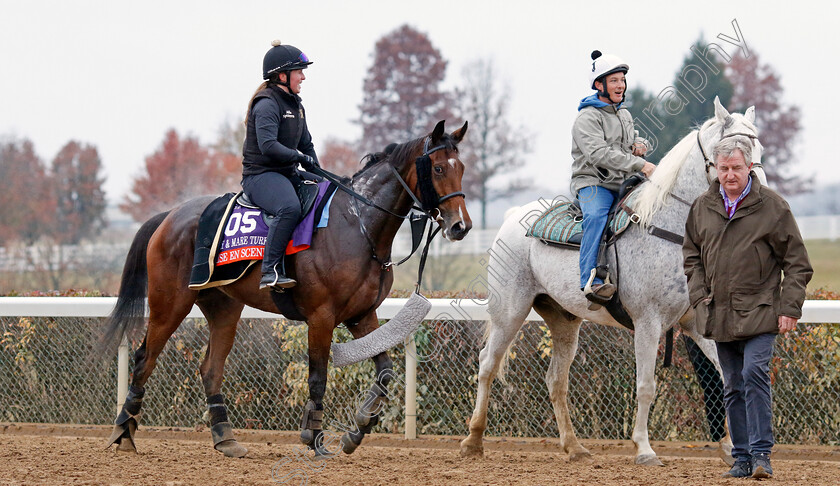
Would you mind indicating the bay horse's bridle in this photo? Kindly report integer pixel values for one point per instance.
(430, 199)
(430, 203)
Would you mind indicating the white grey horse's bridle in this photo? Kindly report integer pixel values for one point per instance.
(710, 163)
(677, 238)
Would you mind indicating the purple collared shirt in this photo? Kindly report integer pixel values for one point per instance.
(733, 205)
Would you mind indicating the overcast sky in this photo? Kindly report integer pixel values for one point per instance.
(119, 74)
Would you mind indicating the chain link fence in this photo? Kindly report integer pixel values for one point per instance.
(47, 375)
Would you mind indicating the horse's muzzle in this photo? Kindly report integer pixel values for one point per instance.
(458, 231)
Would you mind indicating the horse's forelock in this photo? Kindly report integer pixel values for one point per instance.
(401, 151)
(743, 120)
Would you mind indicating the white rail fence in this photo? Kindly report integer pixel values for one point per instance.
(443, 310)
(110, 255)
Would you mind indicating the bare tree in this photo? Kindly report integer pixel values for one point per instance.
(402, 94)
(494, 148)
(227, 155)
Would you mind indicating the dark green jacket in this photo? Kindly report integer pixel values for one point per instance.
(739, 264)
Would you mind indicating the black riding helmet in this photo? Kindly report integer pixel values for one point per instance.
(283, 58)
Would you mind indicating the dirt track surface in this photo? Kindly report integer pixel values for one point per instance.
(40, 454)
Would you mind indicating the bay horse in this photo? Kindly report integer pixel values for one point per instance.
(342, 278)
(527, 273)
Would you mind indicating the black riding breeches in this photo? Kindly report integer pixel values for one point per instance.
(276, 195)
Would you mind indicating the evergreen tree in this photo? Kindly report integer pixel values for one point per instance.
(689, 101)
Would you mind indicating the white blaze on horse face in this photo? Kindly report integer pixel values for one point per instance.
(452, 162)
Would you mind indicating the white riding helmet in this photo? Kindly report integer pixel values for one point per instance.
(603, 65)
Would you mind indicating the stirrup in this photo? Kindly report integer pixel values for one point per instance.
(276, 282)
(596, 300)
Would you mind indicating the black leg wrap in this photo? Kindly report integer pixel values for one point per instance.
(216, 408)
(310, 430)
(366, 418)
(310, 423)
(136, 392)
(133, 402)
(127, 421)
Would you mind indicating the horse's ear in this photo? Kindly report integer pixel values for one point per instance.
(458, 134)
(720, 111)
(750, 114)
(437, 133)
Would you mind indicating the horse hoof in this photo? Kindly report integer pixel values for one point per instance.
(322, 453)
(347, 444)
(725, 454)
(231, 448)
(578, 456)
(123, 436)
(126, 444)
(469, 450)
(648, 460)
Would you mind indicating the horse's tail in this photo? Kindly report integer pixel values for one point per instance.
(130, 311)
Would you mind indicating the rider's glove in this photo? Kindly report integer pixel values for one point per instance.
(307, 162)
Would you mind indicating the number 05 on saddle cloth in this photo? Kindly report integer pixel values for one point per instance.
(231, 237)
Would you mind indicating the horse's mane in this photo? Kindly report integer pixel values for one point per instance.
(652, 196)
(399, 151)
(394, 151)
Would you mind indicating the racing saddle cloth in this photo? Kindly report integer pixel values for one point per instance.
(232, 232)
(562, 223)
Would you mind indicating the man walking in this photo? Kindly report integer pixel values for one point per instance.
(740, 237)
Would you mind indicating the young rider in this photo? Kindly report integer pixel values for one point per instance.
(605, 151)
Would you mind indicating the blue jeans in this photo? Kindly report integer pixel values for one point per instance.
(747, 395)
(595, 202)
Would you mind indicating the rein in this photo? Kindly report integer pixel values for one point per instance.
(652, 229)
(430, 203)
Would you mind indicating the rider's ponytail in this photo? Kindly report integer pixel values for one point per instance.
(273, 79)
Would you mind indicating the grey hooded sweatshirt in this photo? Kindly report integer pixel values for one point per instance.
(602, 139)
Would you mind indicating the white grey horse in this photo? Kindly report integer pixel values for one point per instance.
(525, 273)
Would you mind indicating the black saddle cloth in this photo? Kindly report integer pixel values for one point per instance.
(205, 274)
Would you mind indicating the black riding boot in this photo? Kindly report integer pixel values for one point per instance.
(273, 272)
